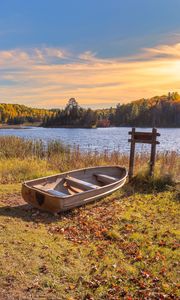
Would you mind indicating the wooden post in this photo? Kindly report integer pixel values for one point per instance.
(153, 152)
(145, 138)
(132, 152)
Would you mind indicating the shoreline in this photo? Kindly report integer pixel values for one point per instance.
(6, 126)
(127, 126)
(16, 126)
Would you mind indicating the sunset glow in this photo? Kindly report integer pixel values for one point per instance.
(49, 77)
(100, 53)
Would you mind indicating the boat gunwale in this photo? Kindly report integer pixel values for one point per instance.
(87, 200)
(25, 183)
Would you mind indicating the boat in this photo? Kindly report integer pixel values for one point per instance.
(64, 191)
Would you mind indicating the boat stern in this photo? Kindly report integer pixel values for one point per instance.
(41, 200)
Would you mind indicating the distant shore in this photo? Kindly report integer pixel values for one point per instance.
(14, 127)
(5, 126)
(112, 126)
(20, 126)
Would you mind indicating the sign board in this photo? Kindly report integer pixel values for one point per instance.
(144, 137)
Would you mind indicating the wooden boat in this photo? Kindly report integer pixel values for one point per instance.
(64, 191)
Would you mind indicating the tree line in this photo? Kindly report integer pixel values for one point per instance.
(15, 114)
(158, 111)
(163, 111)
(72, 116)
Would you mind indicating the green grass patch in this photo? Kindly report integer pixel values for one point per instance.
(15, 170)
(123, 246)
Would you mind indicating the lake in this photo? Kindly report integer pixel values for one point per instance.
(100, 139)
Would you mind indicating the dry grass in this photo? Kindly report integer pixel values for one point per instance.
(22, 159)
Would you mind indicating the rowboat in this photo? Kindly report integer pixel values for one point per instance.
(67, 190)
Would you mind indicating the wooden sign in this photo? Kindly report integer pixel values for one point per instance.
(145, 138)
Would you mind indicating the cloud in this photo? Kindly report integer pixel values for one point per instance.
(18, 57)
(165, 51)
(48, 77)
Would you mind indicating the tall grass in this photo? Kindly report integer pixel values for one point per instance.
(15, 147)
(22, 159)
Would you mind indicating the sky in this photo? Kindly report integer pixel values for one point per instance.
(101, 52)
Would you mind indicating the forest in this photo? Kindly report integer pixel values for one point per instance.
(163, 111)
(158, 111)
(16, 114)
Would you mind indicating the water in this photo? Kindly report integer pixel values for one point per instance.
(100, 139)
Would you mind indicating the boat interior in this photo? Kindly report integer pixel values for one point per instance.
(67, 184)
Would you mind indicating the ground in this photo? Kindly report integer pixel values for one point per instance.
(122, 247)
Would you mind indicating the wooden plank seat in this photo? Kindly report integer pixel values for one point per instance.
(49, 185)
(84, 185)
(56, 193)
(106, 179)
(50, 191)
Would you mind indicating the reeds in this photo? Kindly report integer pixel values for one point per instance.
(22, 159)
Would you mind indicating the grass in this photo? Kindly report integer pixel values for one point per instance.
(22, 159)
(122, 247)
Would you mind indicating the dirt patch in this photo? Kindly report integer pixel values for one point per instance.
(12, 199)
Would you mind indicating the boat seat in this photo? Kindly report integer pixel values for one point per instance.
(49, 185)
(80, 183)
(50, 191)
(106, 178)
(56, 193)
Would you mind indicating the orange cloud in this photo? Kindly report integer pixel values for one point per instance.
(50, 76)
(165, 50)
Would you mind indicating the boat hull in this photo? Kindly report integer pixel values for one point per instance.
(44, 201)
